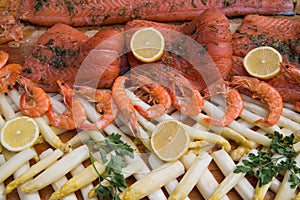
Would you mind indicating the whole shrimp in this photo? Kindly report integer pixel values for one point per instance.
(71, 118)
(104, 104)
(34, 102)
(160, 95)
(123, 103)
(235, 105)
(291, 72)
(190, 102)
(8, 76)
(265, 93)
(3, 58)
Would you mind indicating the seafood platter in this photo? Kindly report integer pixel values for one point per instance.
(153, 100)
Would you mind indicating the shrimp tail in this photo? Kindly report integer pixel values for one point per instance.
(152, 112)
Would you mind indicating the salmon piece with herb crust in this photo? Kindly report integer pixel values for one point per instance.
(98, 12)
(256, 30)
(54, 57)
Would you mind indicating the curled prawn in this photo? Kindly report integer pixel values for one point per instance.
(104, 105)
(190, 102)
(235, 105)
(34, 102)
(123, 103)
(291, 71)
(161, 97)
(8, 76)
(74, 116)
(3, 58)
(265, 93)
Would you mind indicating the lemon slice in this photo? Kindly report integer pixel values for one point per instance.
(147, 44)
(19, 133)
(170, 140)
(263, 62)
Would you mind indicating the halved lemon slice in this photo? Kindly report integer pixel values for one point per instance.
(147, 44)
(19, 133)
(263, 62)
(170, 140)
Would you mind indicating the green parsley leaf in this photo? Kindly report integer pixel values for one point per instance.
(266, 167)
(111, 150)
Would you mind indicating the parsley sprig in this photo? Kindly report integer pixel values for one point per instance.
(111, 150)
(265, 167)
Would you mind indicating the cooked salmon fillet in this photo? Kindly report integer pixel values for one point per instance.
(62, 52)
(98, 12)
(282, 34)
(100, 59)
(54, 57)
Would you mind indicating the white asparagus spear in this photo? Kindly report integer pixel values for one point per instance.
(155, 163)
(191, 177)
(34, 170)
(78, 139)
(85, 189)
(153, 181)
(14, 163)
(207, 183)
(23, 195)
(229, 182)
(5, 108)
(50, 137)
(85, 177)
(285, 191)
(290, 114)
(58, 169)
(226, 165)
(2, 159)
(2, 186)
(57, 184)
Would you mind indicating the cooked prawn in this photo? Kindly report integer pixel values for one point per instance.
(104, 104)
(235, 105)
(71, 118)
(123, 103)
(161, 97)
(265, 93)
(34, 102)
(3, 58)
(190, 102)
(8, 76)
(291, 71)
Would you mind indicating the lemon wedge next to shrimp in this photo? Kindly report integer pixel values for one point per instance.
(263, 62)
(19, 133)
(147, 44)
